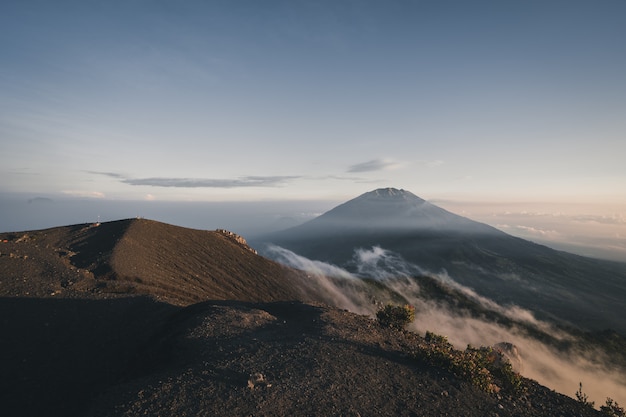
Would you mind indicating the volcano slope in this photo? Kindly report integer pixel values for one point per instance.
(173, 264)
(136, 317)
(557, 286)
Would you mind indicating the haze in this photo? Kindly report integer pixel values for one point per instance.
(509, 112)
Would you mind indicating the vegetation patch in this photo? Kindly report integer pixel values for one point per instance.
(610, 408)
(396, 316)
(484, 367)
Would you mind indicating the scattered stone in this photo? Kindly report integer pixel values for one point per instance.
(509, 353)
(257, 379)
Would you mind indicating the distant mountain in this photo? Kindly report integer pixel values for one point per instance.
(390, 209)
(582, 291)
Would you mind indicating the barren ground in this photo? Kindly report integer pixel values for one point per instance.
(138, 318)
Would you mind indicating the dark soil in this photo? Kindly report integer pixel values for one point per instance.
(138, 318)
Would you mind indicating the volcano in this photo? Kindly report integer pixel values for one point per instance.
(556, 285)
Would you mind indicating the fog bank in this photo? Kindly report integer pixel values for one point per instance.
(557, 370)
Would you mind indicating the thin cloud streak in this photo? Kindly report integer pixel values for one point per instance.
(373, 165)
(356, 180)
(434, 163)
(252, 181)
(247, 181)
(107, 174)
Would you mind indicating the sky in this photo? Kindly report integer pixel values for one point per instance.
(507, 102)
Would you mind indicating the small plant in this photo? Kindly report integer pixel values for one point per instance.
(437, 339)
(582, 397)
(612, 408)
(396, 316)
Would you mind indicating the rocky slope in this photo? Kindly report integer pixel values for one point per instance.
(136, 317)
(135, 357)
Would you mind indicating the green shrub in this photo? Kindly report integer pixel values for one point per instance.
(396, 316)
(437, 339)
(483, 366)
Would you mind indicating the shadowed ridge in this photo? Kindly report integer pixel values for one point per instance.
(91, 245)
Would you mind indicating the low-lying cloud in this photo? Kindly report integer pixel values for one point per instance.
(529, 230)
(82, 193)
(561, 371)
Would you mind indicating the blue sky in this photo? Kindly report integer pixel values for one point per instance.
(248, 100)
(511, 101)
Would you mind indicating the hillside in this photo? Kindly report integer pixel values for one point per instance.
(136, 317)
(136, 256)
(133, 357)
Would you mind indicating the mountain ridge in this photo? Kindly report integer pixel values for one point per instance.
(557, 285)
(138, 256)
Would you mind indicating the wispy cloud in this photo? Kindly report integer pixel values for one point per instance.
(108, 174)
(434, 163)
(373, 165)
(355, 179)
(590, 218)
(252, 181)
(81, 193)
(529, 230)
(247, 181)
(614, 219)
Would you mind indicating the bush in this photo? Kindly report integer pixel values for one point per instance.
(480, 366)
(582, 397)
(396, 316)
(612, 408)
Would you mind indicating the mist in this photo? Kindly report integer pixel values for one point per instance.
(583, 230)
(249, 219)
(588, 229)
(550, 367)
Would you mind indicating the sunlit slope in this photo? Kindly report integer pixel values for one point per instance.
(139, 256)
(563, 286)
